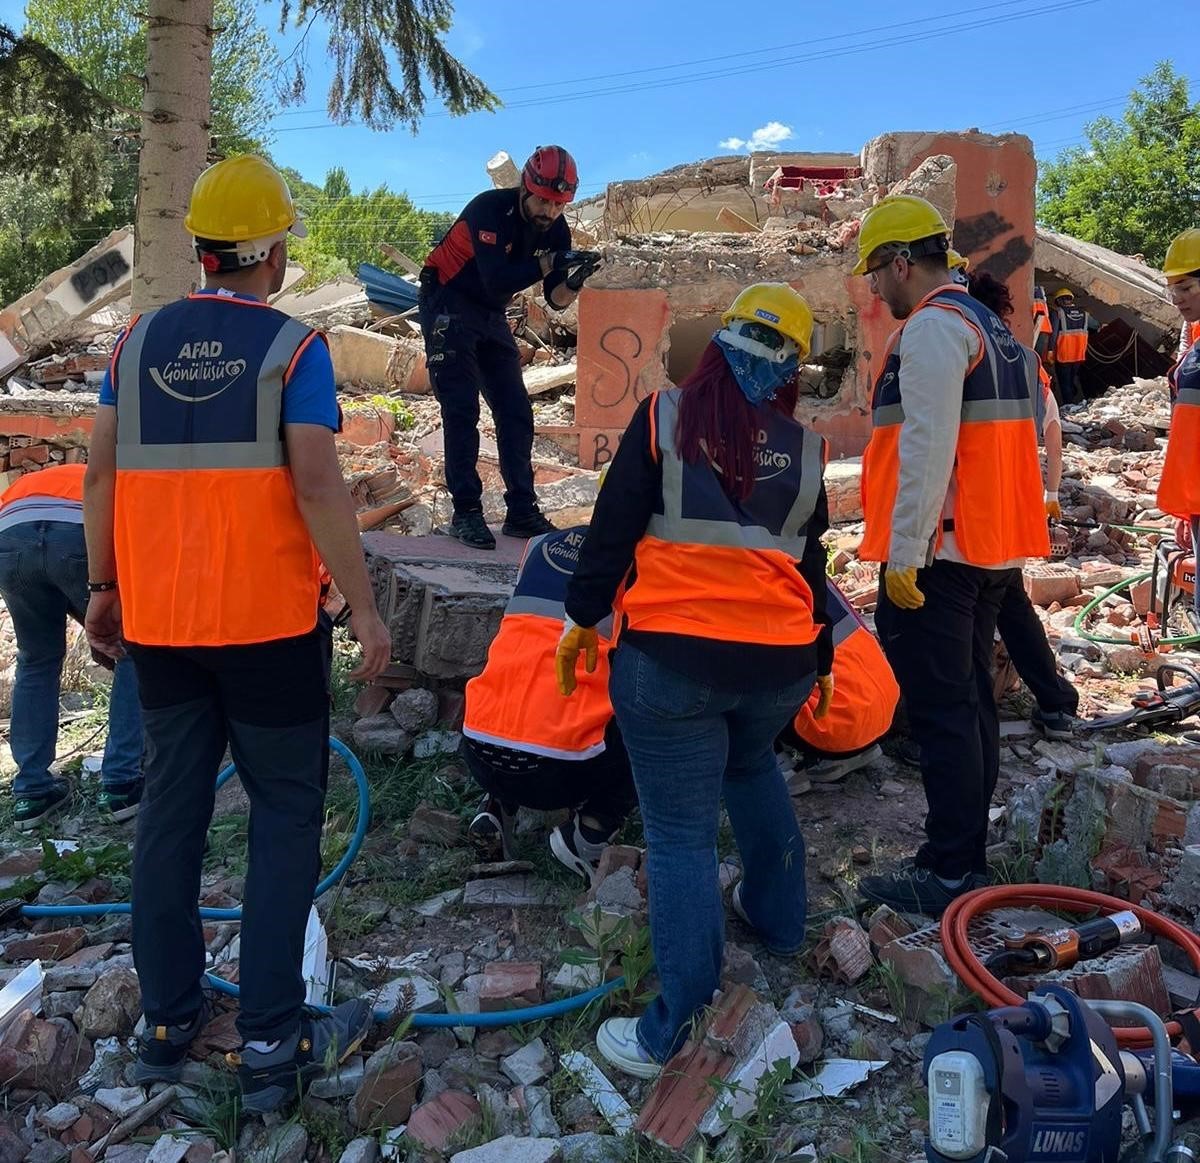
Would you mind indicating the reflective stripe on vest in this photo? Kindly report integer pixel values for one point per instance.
(1072, 342)
(1179, 487)
(865, 692)
(712, 567)
(515, 701)
(211, 548)
(998, 514)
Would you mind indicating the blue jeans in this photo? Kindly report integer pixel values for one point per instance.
(689, 743)
(43, 581)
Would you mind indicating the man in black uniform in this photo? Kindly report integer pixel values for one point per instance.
(503, 242)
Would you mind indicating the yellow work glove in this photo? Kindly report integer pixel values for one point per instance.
(901, 584)
(825, 682)
(574, 641)
(1053, 508)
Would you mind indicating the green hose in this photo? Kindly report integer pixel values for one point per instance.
(1081, 617)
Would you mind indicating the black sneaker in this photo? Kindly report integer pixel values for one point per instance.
(573, 847)
(1053, 724)
(322, 1042)
(121, 800)
(471, 529)
(908, 751)
(914, 890)
(162, 1050)
(490, 832)
(532, 526)
(30, 811)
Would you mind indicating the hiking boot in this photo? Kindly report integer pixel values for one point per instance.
(532, 526)
(915, 890)
(323, 1041)
(1053, 724)
(579, 848)
(162, 1050)
(121, 800)
(908, 752)
(30, 811)
(471, 529)
(831, 770)
(617, 1042)
(490, 832)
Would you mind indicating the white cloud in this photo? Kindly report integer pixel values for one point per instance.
(764, 137)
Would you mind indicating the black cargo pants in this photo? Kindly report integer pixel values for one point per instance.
(269, 703)
(942, 658)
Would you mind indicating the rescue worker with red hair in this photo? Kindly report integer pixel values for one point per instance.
(711, 515)
(503, 241)
(865, 695)
(212, 495)
(1179, 488)
(528, 747)
(952, 497)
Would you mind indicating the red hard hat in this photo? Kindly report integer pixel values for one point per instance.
(550, 173)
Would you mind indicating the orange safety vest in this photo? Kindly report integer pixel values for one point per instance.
(1193, 333)
(1179, 487)
(515, 701)
(711, 567)
(1072, 343)
(865, 692)
(60, 480)
(1039, 402)
(211, 548)
(1041, 319)
(998, 510)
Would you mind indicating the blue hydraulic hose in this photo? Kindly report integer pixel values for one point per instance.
(486, 1021)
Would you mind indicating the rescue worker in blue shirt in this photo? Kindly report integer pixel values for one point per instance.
(503, 242)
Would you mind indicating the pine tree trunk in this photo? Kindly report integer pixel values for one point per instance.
(175, 138)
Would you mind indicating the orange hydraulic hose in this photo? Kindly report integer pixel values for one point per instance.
(971, 970)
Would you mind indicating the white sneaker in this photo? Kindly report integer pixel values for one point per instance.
(573, 850)
(617, 1042)
(831, 770)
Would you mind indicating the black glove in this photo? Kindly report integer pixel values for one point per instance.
(581, 264)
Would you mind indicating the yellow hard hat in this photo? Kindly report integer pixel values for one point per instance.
(897, 218)
(779, 307)
(956, 261)
(1183, 255)
(1063, 293)
(242, 199)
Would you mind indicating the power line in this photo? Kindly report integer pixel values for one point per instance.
(730, 56)
(785, 62)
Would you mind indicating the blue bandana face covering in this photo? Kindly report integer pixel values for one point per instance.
(758, 377)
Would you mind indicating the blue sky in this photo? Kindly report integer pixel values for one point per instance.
(690, 75)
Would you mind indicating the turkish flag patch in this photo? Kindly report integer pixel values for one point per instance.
(487, 236)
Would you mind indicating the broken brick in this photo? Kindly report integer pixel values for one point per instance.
(35, 454)
(843, 951)
(1047, 582)
(432, 825)
(434, 1123)
(46, 946)
(372, 700)
(510, 985)
(744, 1039)
(452, 706)
(885, 925)
(389, 1086)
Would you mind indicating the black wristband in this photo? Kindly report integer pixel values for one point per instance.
(101, 587)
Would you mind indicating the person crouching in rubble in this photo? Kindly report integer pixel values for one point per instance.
(523, 744)
(865, 694)
(712, 516)
(1179, 488)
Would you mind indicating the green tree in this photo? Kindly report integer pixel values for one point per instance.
(1136, 183)
(348, 228)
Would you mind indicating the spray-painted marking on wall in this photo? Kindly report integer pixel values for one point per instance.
(612, 388)
(105, 271)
